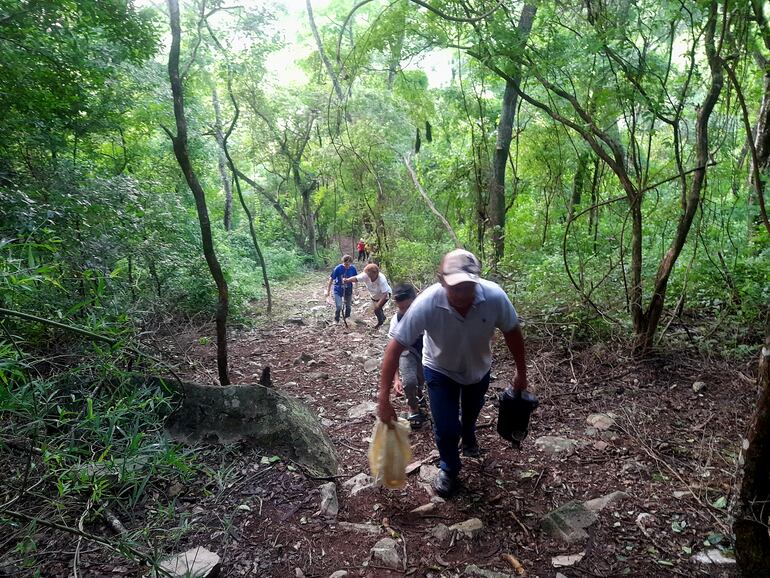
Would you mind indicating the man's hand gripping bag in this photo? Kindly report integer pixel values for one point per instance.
(389, 453)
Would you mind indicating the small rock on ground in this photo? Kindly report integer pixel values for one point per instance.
(330, 506)
(196, 563)
(386, 553)
(441, 532)
(361, 410)
(359, 528)
(698, 386)
(568, 522)
(554, 445)
(601, 421)
(473, 570)
(713, 556)
(428, 473)
(339, 574)
(371, 365)
(358, 483)
(423, 510)
(470, 528)
(598, 504)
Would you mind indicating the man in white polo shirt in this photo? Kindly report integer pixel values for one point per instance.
(458, 316)
(378, 288)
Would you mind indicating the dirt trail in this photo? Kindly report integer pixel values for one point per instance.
(671, 449)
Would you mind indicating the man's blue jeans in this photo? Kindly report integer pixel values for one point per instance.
(338, 301)
(455, 409)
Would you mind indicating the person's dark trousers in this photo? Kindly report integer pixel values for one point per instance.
(455, 409)
(379, 313)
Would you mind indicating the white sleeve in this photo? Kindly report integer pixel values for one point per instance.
(507, 318)
(412, 324)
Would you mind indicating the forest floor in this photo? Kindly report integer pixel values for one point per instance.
(672, 450)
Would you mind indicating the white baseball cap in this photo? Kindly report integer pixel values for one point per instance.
(460, 266)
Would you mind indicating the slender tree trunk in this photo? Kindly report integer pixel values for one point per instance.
(430, 204)
(183, 158)
(245, 208)
(693, 198)
(504, 134)
(222, 161)
(396, 47)
(578, 184)
(325, 59)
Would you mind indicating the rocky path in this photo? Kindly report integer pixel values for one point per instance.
(628, 469)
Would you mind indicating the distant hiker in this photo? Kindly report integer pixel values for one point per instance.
(361, 248)
(378, 288)
(411, 380)
(458, 316)
(342, 292)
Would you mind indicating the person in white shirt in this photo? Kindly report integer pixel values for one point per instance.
(456, 317)
(378, 288)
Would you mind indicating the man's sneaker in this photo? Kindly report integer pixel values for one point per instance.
(445, 485)
(416, 420)
(472, 451)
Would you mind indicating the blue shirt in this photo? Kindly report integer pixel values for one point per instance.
(454, 345)
(338, 275)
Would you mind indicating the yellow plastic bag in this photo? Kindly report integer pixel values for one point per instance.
(389, 453)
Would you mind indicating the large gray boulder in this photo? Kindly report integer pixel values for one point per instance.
(261, 415)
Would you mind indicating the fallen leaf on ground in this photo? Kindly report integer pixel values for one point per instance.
(570, 560)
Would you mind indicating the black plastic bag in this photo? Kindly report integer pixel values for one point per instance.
(513, 419)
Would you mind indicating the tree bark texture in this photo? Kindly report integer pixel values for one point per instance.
(752, 541)
(497, 203)
(183, 158)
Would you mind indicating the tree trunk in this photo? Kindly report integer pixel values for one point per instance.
(655, 308)
(752, 541)
(183, 158)
(578, 184)
(322, 53)
(222, 161)
(396, 46)
(245, 208)
(502, 148)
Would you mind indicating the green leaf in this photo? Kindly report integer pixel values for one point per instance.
(720, 503)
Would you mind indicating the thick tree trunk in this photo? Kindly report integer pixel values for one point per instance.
(222, 161)
(502, 148)
(183, 158)
(752, 541)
